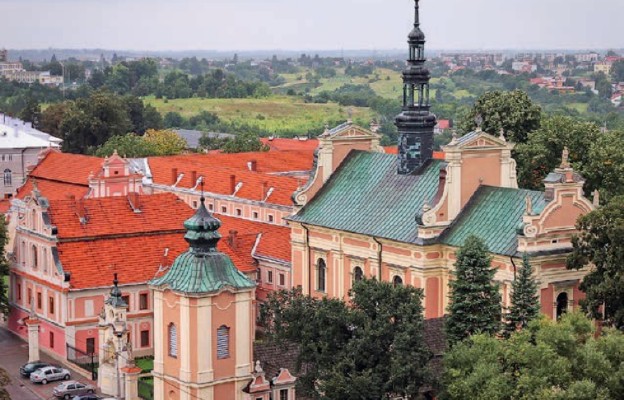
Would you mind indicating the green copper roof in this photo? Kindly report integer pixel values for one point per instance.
(366, 195)
(115, 299)
(202, 269)
(493, 214)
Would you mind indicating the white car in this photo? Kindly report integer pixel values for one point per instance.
(49, 374)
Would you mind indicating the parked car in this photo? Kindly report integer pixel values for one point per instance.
(70, 389)
(27, 369)
(49, 374)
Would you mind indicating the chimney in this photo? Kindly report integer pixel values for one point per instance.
(253, 165)
(233, 239)
(232, 184)
(174, 175)
(193, 178)
(265, 186)
(135, 201)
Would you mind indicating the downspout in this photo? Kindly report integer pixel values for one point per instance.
(307, 243)
(379, 251)
(514, 266)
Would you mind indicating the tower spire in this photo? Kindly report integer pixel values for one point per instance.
(416, 122)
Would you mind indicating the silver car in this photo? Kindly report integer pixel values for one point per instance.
(49, 374)
(69, 389)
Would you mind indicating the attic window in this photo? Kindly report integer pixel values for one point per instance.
(116, 172)
(255, 215)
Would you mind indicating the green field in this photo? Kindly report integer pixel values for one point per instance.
(278, 114)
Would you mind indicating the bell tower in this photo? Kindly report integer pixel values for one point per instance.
(204, 320)
(416, 122)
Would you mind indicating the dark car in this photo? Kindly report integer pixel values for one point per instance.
(27, 369)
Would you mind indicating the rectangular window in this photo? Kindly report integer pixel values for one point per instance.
(210, 207)
(88, 308)
(195, 204)
(145, 338)
(270, 218)
(30, 299)
(270, 276)
(19, 291)
(143, 304)
(239, 212)
(282, 280)
(283, 394)
(255, 215)
(39, 300)
(52, 340)
(126, 300)
(224, 210)
(51, 305)
(90, 345)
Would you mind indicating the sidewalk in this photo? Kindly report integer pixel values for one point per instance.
(14, 354)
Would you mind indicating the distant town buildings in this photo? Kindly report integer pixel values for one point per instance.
(14, 71)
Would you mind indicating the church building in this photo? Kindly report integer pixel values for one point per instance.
(401, 219)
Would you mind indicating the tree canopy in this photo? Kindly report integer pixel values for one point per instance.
(541, 153)
(475, 302)
(513, 111)
(372, 348)
(600, 248)
(549, 360)
(153, 143)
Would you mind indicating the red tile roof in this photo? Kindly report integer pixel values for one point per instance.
(217, 171)
(116, 239)
(4, 206)
(280, 144)
(444, 124)
(53, 190)
(68, 168)
(274, 242)
(108, 216)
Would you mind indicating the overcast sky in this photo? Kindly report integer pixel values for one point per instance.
(309, 24)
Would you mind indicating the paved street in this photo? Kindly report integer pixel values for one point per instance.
(14, 354)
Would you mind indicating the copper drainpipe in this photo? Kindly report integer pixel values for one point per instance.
(307, 243)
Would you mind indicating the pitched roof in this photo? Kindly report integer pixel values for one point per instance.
(366, 195)
(67, 168)
(53, 190)
(493, 214)
(279, 144)
(114, 216)
(274, 241)
(217, 171)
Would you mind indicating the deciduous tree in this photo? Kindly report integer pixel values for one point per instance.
(599, 248)
(514, 112)
(549, 360)
(475, 302)
(165, 142)
(370, 349)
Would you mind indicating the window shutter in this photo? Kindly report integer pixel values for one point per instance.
(223, 342)
(173, 340)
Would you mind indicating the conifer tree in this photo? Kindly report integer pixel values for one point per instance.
(475, 304)
(524, 300)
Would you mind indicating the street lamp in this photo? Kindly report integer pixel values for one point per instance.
(119, 330)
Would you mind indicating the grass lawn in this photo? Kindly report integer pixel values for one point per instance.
(277, 114)
(580, 107)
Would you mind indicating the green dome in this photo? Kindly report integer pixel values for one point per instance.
(202, 268)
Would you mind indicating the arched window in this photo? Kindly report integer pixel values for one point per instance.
(223, 342)
(8, 177)
(562, 304)
(397, 280)
(321, 274)
(44, 260)
(358, 274)
(173, 340)
(35, 261)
